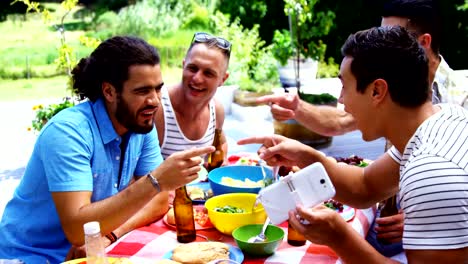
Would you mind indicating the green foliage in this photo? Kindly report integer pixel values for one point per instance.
(45, 113)
(251, 60)
(464, 6)
(153, 17)
(248, 11)
(173, 46)
(282, 48)
(199, 17)
(328, 69)
(318, 99)
(308, 25)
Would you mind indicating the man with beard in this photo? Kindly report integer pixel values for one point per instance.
(190, 113)
(97, 161)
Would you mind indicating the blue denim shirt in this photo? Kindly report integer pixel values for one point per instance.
(78, 150)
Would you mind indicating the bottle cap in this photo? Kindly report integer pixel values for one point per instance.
(91, 228)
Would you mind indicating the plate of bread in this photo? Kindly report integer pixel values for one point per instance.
(204, 252)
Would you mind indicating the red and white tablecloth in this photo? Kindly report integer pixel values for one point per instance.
(153, 241)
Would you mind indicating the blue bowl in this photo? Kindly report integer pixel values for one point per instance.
(237, 172)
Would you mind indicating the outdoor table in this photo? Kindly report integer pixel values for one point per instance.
(157, 239)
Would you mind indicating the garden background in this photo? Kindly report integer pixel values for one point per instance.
(29, 47)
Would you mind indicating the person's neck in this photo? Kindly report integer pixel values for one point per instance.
(184, 107)
(434, 61)
(400, 131)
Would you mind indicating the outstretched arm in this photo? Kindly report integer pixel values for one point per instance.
(322, 119)
(355, 186)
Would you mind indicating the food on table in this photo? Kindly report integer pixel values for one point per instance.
(229, 209)
(354, 160)
(200, 215)
(238, 183)
(351, 160)
(200, 252)
(195, 193)
(334, 205)
(247, 161)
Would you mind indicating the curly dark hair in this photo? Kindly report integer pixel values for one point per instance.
(110, 62)
(392, 54)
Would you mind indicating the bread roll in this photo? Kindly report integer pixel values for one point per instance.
(170, 216)
(200, 252)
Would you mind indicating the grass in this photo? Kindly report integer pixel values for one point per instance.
(55, 87)
(33, 89)
(31, 44)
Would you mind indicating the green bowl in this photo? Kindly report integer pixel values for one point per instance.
(273, 233)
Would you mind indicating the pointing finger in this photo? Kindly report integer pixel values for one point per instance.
(186, 154)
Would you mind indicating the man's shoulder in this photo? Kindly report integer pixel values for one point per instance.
(74, 117)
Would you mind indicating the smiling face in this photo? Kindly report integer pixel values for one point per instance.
(136, 105)
(204, 71)
(359, 105)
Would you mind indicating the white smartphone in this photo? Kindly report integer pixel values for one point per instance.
(309, 187)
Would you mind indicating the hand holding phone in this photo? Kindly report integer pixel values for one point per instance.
(309, 187)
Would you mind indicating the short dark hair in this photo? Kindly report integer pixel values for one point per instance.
(423, 15)
(110, 62)
(392, 54)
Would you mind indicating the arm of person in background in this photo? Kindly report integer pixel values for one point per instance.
(75, 208)
(220, 116)
(355, 186)
(321, 119)
(327, 227)
(390, 228)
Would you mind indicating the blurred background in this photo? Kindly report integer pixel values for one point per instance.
(30, 47)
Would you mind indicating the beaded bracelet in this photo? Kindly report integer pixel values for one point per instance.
(154, 181)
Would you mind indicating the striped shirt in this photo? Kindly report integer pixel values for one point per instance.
(434, 182)
(174, 139)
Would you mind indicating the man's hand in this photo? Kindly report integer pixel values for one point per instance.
(325, 226)
(180, 168)
(76, 252)
(282, 106)
(390, 228)
(277, 150)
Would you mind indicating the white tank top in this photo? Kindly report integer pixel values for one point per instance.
(174, 139)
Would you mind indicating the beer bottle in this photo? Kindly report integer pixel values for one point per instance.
(183, 216)
(216, 158)
(295, 238)
(388, 208)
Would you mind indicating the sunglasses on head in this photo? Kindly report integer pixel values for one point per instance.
(202, 37)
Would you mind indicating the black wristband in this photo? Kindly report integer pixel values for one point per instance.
(112, 237)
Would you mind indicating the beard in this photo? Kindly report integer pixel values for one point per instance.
(125, 117)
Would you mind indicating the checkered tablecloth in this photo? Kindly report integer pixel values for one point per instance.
(152, 242)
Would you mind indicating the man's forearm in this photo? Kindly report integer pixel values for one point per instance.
(352, 248)
(324, 120)
(151, 212)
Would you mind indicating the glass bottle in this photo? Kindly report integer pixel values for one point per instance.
(295, 238)
(183, 216)
(388, 208)
(95, 253)
(216, 158)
